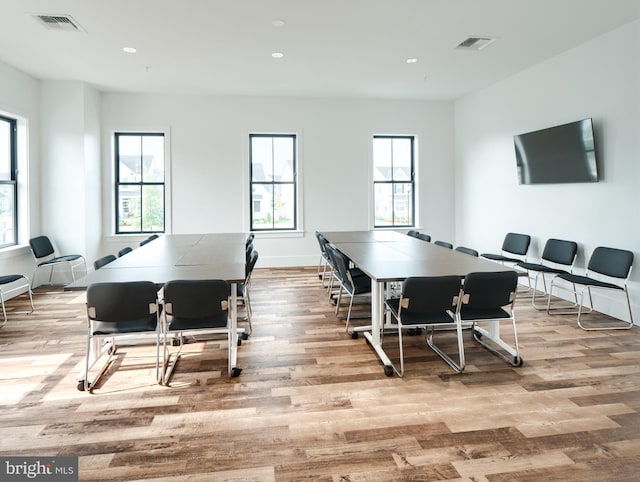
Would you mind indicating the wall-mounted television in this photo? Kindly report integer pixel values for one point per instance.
(559, 154)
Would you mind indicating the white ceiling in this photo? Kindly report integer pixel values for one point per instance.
(332, 48)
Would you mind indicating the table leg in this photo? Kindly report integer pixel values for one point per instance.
(377, 324)
(234, 371)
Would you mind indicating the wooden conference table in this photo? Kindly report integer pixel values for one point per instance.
(389, 256)
(181, 257)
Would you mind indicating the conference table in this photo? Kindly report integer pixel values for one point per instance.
(180, 257)
(389, 256)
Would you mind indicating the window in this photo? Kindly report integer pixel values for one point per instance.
(393, 181)
(272, 163)
(140, 187)
(8, 182)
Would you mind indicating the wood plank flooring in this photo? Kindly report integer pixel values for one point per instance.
(314, 404)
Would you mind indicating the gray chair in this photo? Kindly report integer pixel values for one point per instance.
(113, 310)
(193, 307)
(428, 303)
(608, 270)
(45, 255)
(100, 262)
(465, 250)
(444, 244)
(12, 283)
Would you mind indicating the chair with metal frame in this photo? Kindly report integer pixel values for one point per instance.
(489, 297)
(607, 267)
(100, 262)
(243, 289)
(12, 280)
(45, 255)
(514, 249)
(558, 257)
(323, 262)
(413, 233)
(193, 307)
(115, 310)
(428, 303)
(444, 244)
(465, 250)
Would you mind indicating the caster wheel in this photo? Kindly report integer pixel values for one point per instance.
(235, 372)
(80, 385)
(388, 370)
(477, 334)
(412, 332)
(354, 335)
(518, 361)
(175, 342)
(245, 336)
(239, 341)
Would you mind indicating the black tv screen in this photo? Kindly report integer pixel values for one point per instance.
(559, 154)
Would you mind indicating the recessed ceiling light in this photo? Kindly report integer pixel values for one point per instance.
(277, 55)
(412, 61)
(278, 23)
(129, 50)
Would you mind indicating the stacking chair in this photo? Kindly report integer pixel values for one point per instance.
(124, 251)
(514, 249)
(45, 255)
(193, 307)
(558, 257)
(413, 233)
(607, 268)
(489, 297)
(99, 263)
(352, 281)
(465, 250)
(114, 310)
(323, 262)
(243, 288)
(18, 282)
(428, 303)
(424, 237)
(444, 244)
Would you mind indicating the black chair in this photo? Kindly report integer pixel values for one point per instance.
(193, 307)
(116, 309)
(352, 281)
(413, 233)
(249, 239)
(45, 255)
(17, 282)
(514, 249)
(428, 303)
(124, 251)
(558, 257)
(489, 297)
(606, 269)
(444, 244)
(465, 250)
(100, 262)
(323, 262)
(423, 237)
(243, 288)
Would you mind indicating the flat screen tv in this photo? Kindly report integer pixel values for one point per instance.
(559, 154)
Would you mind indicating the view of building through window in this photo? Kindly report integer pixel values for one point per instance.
(140, 166)
(8, 193)
(393, 181)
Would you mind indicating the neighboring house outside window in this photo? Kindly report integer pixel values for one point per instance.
(273, 182)
(393, 181)
(140, 182)
(8, 182)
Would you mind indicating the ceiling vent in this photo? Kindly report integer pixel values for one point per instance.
(475, 43)
(63, 23)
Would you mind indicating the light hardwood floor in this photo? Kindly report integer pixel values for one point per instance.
(314, 404)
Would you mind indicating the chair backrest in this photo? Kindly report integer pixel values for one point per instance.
(152, 237)
(560, 251)
(251, 263)
(516, 243)
(487, 290)
(135, 302)
(341, 266)
(124, 251)
(198, 300)
(413, 233)
(612, 262)
(99, 263)
(444, 244)
(248, 251)
(424, 237)
(145, 241)
(249, 239)
(322, 241)
(464, 249)
(41, 246)
(424, 295)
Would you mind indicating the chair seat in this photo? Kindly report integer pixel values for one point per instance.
(118, 328)
(10, 278)
(59, 259)
(184, 324)
(467, 313)
(541, 267)
(408, 318)
(586, 281)
(499, 257)
(361, 283)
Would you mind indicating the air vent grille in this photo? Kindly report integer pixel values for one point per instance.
(475, 43)
(65, 23)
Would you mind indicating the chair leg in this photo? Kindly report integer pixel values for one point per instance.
(510, 354)
(458, 367)
(600, 327)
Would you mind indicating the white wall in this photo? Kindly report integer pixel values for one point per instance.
(209, 161)
(599, 79)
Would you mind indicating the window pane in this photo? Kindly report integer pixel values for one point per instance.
(152, 208)
(381, 159)
(402, 201)
(261, 159)
(7, 213)
(5, 151)
(129, 209)
(153, 158)
(283, 159)
(402, 159)
(283, 206)
(383, 204)
(261, 215)
(130, 151)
